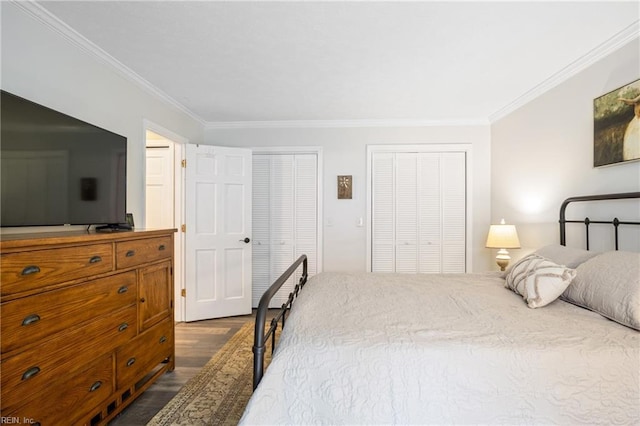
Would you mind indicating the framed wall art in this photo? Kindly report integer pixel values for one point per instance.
(616, 126)
(345, 187)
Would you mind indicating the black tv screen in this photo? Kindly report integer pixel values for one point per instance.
(58, 170)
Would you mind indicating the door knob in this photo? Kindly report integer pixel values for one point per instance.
(246, 240)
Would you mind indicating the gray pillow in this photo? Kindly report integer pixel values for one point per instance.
(567, 256)
(610, 285)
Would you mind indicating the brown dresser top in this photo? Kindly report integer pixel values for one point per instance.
(17, 241)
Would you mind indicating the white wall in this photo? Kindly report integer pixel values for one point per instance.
(40, 64)
(524, 165)
(43, 66)
(344, 153)
(543, 152)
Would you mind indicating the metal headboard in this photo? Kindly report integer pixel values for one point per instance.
(586, 221)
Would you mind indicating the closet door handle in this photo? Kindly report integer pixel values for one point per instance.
(247, 240)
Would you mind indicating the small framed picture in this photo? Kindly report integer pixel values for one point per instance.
(345, 187)
(130, 220)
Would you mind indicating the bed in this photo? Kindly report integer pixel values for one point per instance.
(371, 348)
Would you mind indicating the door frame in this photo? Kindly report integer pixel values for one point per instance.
(427, 147)
(292, 150)
(179, 204)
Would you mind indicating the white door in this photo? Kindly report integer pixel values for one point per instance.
(418, 205)
(285, 225)
(218, 232)
(159, 187)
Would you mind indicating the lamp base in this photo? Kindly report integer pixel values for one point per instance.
(502, 259)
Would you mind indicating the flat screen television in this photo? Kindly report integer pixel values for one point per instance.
(58, 170)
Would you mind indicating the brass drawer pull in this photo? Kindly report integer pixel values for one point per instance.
(95, 259)
(130, 253)
(161, 247)
(95, 386)
(30, 319)
(31, 372)
(131, 362)
(163, 339)
(123, 326)
(31, 269)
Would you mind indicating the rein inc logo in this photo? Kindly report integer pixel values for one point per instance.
(17, 421)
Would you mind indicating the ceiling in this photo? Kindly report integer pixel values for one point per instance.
(242, 63)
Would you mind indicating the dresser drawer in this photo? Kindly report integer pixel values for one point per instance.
(137, 252)
(26, 271)
(138, 357)
(78, 394)
(41, 367)
(33, 319)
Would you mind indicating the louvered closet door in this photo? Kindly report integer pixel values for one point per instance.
(284, 219)
(453, 198)
(261, 217)
(281, 227)
(418, 212)
(383, 235)
(306, 210)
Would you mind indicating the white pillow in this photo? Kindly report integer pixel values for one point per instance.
(567, 256)
(610, 285)
(538, 280)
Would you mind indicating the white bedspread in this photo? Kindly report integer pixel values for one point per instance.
(444, 349)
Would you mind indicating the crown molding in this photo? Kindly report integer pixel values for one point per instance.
(632, 32)
(41, 14)
(296, 124)
(38, 12)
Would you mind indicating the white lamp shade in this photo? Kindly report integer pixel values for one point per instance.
(503, 236)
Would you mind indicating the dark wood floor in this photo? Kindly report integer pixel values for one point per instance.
(196, 343)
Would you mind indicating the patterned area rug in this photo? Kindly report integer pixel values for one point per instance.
(219, 393)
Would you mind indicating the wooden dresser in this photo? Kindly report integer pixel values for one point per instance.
(87, 323)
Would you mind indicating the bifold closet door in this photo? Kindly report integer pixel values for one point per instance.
(284, 218)
(418, 212)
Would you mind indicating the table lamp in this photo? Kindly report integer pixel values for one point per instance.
(502, 237)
